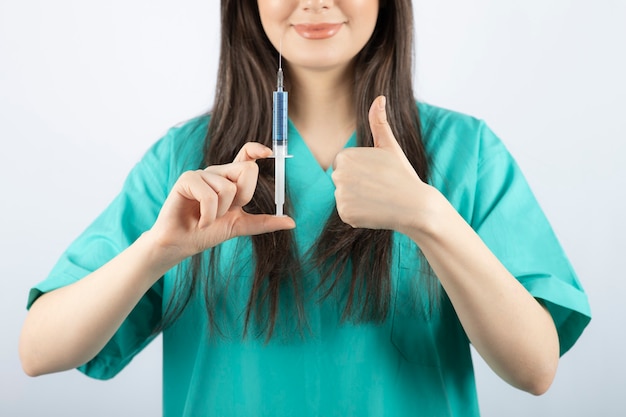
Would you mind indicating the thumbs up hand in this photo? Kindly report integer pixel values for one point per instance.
(376, 187)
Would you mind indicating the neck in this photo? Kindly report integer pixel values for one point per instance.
(321, 106)
(322, 98)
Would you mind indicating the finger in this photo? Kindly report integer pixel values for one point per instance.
(252, 151)
(381, 131)
(243, 174)
(342, 158)
(193, 187)
(225, 190)
(256, 224)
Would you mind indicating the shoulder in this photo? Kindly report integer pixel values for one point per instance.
(185, 140)
(435, 118)
(195, 128)
(448, 133)
(180, 149)
(455, 140)
(462, 151)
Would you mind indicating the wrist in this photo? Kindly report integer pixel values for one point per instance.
(159, 255)
(432, 212)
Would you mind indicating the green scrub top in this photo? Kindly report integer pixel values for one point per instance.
(413, 364)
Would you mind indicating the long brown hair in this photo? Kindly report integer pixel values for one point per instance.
(356, 261)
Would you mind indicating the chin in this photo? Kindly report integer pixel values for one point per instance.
(321, 64)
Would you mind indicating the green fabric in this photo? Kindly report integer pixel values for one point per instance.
(413, 364)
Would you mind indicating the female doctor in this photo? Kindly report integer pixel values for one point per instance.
(410, 233)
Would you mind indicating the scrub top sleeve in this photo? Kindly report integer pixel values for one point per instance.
(130, 214)
(508, 218)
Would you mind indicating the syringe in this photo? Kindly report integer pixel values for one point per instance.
(279, 140)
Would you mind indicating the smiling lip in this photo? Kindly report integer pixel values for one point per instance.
(318, 30)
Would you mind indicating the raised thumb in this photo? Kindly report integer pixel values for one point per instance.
(381, 131)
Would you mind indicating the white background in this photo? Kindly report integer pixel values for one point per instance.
(87, 87)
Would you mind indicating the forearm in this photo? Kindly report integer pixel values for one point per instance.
(67, 327)
(511, 330)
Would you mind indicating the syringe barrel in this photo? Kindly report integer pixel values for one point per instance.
(279, 142)
(280, 119)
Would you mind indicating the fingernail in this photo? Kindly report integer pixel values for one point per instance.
(382, 102)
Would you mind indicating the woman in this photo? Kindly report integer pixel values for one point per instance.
(416, 235)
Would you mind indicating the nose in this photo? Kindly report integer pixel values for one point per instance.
(315, 5)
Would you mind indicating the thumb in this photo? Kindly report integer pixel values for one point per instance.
(381, 131)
